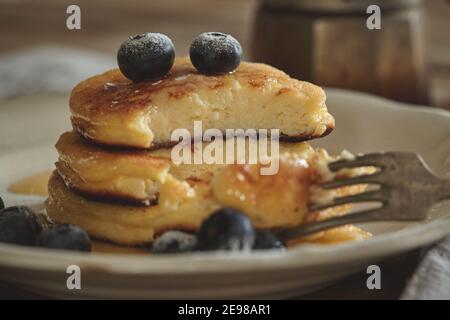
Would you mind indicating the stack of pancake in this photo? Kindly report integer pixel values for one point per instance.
(115, 177)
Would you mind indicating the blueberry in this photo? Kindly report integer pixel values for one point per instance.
(2, 204)
(266, 240)
(19, 225)
(146, 56)
(226, 229)
(64, 237)
(174, 242)
(215, 52)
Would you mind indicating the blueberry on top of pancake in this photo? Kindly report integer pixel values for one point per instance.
(146, 56)
(215, 52)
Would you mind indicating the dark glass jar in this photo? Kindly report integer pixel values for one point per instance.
(327, 42)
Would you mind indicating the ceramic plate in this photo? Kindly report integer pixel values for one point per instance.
(29, 127)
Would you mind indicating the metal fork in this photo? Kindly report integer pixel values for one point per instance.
(407, 191)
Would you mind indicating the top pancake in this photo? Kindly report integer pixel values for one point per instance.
(112, 110)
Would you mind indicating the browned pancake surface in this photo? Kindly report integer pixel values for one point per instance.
(111, 109)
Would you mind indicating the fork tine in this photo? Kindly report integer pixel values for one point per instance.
(366, 178)
(377, 214)
(372, 159)
(361, 197)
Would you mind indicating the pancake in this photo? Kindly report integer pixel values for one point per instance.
(127, 175)
(112, 110)
(135, 176)
(272, 201)
(180, 207)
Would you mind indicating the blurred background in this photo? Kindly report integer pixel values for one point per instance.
(324, 41)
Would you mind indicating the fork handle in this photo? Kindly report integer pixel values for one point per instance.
(443, 190)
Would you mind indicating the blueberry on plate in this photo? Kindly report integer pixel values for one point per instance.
(146, 56)
(215, 52)
(64, 237)
(267, 240)
(226, 229)
(2, 204)
(19, 225)
(174, 242)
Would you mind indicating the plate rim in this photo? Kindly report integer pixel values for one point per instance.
(306, 256)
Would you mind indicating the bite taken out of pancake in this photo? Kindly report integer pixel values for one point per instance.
(112, 110)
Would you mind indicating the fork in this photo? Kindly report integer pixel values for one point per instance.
(407, 190)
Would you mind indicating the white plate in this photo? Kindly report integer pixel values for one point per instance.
(364, 123)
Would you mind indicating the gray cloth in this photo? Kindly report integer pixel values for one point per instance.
(48, 69)
(431, 280)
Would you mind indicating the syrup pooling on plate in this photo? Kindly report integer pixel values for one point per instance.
(35, 184)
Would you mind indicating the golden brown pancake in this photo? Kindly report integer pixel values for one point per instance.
(111, 174)
(180, 206)
(134, 175)
(112, 110)
(271, 201)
